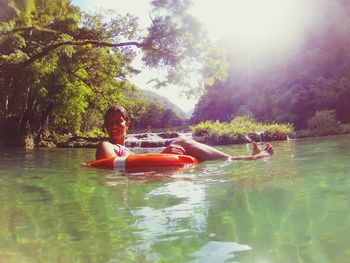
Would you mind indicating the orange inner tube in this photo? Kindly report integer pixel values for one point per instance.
(143, 161)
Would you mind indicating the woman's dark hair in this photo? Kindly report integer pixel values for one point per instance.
(117, 109)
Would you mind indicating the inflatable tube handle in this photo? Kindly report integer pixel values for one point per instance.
(119, 162)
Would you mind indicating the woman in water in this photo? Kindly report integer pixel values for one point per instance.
(117, 121)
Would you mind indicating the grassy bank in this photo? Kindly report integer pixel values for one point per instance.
(240, 130)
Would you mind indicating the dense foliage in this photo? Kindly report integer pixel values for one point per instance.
(63, 68)
(148, 115)
(161, 100)
(311, 78)
(323, 123)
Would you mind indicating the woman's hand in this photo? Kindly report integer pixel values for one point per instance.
(174, 149)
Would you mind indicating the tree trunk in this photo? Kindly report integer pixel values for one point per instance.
(7, 88)
(44, 121)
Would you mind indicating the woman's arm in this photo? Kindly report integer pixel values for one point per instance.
(105, 150)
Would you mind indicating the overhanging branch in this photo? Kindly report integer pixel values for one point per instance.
(52, 47)
(30, 29)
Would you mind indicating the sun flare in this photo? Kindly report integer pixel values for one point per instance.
(256, 26)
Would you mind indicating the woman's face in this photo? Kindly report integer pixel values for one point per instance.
(116, 127)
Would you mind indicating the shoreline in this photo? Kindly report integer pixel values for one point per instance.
(161, 139)
(148, 140)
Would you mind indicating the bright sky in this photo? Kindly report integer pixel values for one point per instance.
(256, 28)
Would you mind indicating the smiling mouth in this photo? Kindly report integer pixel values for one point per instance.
(116, 132)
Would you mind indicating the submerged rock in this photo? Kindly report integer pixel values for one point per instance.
(46, 144)
(168, 135)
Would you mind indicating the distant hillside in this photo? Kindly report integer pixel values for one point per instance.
(189, 114)
(161, 100)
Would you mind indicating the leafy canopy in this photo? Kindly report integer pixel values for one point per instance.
(59, 65)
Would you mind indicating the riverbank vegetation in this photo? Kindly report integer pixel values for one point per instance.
(324, 123)
(60, 68)
(240, 130)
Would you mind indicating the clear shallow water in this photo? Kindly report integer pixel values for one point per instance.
(293, 207)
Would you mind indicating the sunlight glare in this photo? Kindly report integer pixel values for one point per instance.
(256, 26)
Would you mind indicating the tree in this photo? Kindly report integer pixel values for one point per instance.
(55, 62)
(324, 123)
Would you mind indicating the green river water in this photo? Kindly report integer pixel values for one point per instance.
(292, 207)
